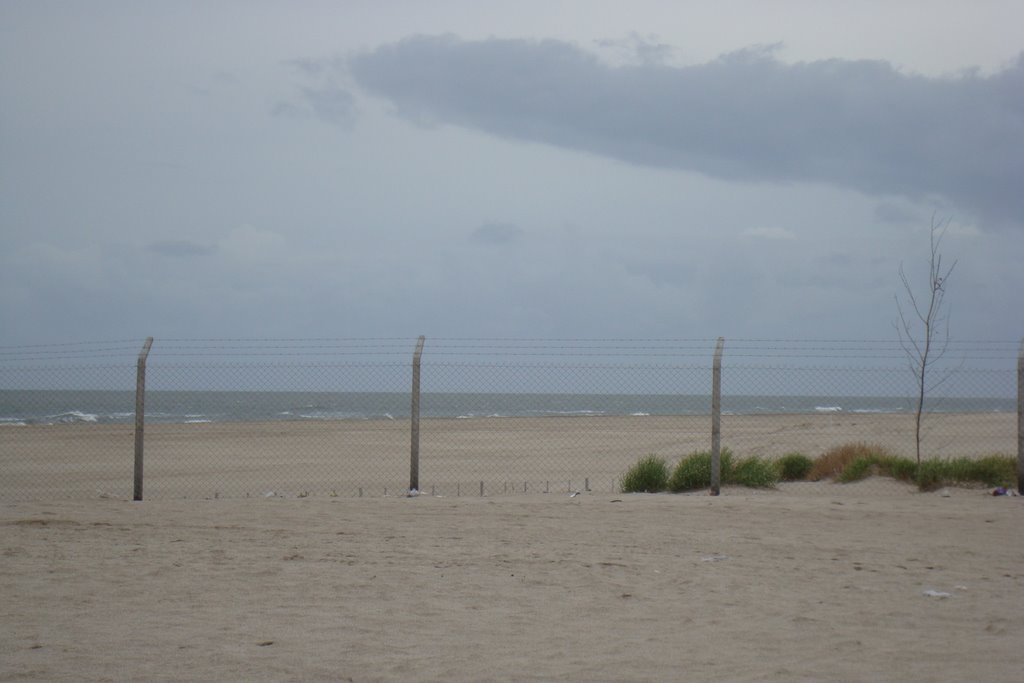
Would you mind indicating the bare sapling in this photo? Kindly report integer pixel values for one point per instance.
(923, 325)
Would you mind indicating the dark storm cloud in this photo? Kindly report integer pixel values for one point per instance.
(745, 116)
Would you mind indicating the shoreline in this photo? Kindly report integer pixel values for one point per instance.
(76, 417)
(24, 406)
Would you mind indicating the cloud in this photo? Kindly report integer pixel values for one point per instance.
(253, 246)
(286, 109)
(181, 248)
(889, 212)
(636, 48)
(77, 267)
(310, 67)
(327, 100)
(332, 104)
(770, 233)
(746, 116)
(962, 229)
(497, 233)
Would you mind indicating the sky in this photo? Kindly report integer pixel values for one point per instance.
(537, 169)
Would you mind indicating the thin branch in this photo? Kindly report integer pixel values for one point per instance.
(927, 349)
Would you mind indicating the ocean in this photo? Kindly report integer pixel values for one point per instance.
(31, 407)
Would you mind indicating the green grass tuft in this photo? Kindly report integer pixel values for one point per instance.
(861, 468)
(857, 461)
(832, 463)
(694, 471)
(794, 466)
(845, 463)
(991, 470)
(648, 475)
(994, 470)
(930, 475)
(903, 469)
(753, 472)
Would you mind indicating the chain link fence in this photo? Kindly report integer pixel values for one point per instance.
(294, 418)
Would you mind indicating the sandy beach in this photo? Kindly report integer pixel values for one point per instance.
(288, 551)
(868, 582)
(371, 458)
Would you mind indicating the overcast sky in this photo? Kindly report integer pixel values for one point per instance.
(506, 169)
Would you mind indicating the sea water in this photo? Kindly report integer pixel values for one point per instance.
(28, 407)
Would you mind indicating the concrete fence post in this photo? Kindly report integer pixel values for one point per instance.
(414, 448)
(140, 414)
(1020, 418)
(716, 419)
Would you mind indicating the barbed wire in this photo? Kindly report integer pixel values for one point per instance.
(74, 343)
(473, 347)
(498, 341)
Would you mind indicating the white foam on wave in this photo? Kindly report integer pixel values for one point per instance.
(571, 413)
(331, 415)
(828, 409)
(71, 417)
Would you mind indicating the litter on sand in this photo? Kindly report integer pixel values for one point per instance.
(937, 594)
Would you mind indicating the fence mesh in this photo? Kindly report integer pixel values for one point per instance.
(53, 442)
(238, 418)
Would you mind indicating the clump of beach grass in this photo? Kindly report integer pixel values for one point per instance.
(990, 470)
(648, 475)
(693, 472)
(754, 472)
(832, 463)
(857, 461)
(843, 464)
(794, 466)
